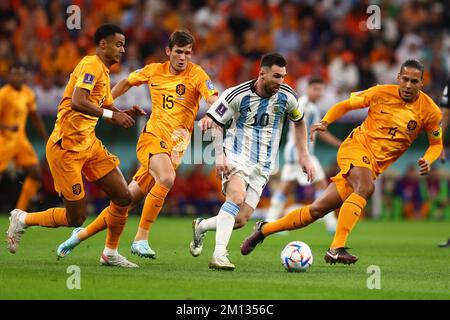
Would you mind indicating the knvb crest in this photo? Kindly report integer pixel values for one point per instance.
(180, 89)
(412, 125)
(366, 160)
(76, 189)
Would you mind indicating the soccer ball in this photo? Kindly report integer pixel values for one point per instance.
(296, 257)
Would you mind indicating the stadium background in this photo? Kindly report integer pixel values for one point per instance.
(329, 38)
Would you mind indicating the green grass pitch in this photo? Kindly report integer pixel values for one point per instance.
(411, 265)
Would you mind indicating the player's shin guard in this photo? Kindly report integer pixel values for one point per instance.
(348, 216)
(225, 223)
(99, 224)
(50, 218)
(116, 220)
(295, 219)
(152, 206)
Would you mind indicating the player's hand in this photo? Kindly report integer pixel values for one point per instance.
(122, 119)
(205, 123)
(318, 126)
(424, 165)
(307, 166)
(442, 156)
(223, 169)
(135, 111)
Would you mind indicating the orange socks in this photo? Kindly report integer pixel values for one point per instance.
(152, 206)
(29, 189)
(295, 219)
(117, 218)
(112, 218)
(348, 216)
(100, 223)
(50, 218)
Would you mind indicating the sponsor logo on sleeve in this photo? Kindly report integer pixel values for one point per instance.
(88, 78)
(209, 85)
(221, 109)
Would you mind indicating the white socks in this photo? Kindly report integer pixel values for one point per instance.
(225, 224)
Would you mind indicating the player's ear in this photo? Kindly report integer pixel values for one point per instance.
(168, 51)
(102, 43)
(261, 72)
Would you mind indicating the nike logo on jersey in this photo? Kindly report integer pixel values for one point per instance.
(153, 85)
(384, 112)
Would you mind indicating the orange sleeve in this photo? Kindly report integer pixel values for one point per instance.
(434, 132)
(140, 76)
(357, 100)
(338, 110)
(205, 85)
(87, 76)
(435, 146)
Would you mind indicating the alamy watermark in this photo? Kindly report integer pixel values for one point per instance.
(198, 147)
(73, 21)
(374, 20)
(74, 280)
(374, 280)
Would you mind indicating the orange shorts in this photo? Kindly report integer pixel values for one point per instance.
(67, 167)
(351, 154)
(20, 150)
(147, 146)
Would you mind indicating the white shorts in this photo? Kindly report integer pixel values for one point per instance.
(293, 171)
(253, 176)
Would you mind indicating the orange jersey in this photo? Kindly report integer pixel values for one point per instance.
(175, 98)
(392, 124)
(75, 129)
(14, 108)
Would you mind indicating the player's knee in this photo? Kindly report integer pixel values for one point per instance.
(365, 190)
(124, 200)
(167, 180)
(75, 222)
(317, 210)
(237, 198)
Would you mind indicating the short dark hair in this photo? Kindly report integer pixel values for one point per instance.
(413, 63)
(105, 31)
(181, 38)
(314, 80)
(274, 58)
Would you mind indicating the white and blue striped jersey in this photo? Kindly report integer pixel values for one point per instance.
(253, 136)
(312, 115)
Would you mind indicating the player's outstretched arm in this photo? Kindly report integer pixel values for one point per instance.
(81, 104)
(120, 88)
(319, 126)
(433, 152)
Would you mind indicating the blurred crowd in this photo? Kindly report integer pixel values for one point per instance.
(330, 38)
(198, 192)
